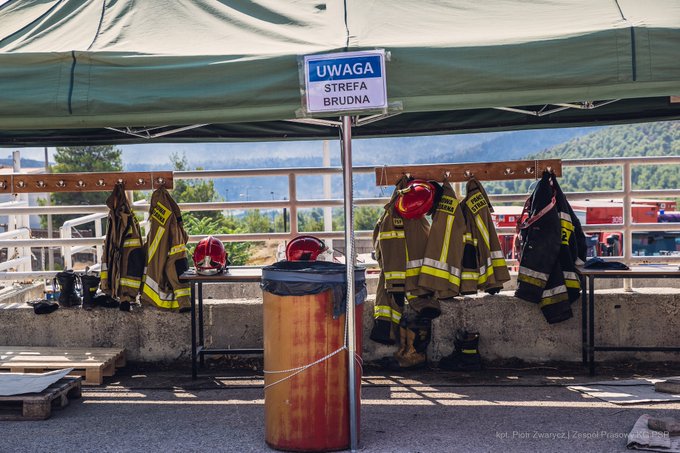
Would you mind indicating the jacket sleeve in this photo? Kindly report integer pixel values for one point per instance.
(177, 263)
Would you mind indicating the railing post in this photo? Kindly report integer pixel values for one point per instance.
(65, 233)
(292, 191)
(98, 233)
(627, 221)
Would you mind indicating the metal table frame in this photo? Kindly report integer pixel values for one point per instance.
(198, 349)
(588, 277)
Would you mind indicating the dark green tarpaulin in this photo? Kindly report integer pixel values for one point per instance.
(70, 69)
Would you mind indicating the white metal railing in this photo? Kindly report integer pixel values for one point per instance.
(66, 232)
(18, 258)
(293, 204)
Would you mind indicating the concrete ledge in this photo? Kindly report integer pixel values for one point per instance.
(509, 328)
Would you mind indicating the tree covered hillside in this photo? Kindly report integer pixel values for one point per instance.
(648, 139)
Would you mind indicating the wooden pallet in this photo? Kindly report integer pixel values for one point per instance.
(91, 363)
(38, 406)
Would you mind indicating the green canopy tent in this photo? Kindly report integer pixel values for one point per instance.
(87, 72)
(122, 71)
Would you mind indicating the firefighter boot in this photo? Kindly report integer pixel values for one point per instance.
(391, 363)
(411, 358)
(465, 356)
(90, 285)
(402, 343)
(68, 296)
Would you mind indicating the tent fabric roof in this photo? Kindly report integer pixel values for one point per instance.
(69, 69)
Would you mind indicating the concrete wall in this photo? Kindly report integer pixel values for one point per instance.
(509, 328)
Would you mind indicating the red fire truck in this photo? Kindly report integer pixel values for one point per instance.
(599, 212)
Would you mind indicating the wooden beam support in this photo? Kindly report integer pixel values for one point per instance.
(484, 171)
(84, 182)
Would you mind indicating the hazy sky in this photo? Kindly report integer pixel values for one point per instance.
(158, 153)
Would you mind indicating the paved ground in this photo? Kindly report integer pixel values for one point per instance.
(498, 410)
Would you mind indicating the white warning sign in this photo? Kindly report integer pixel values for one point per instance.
(345, 81)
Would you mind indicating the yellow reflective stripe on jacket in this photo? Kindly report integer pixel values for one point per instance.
(572, 284)
(104, 275)
(131, 282)
(395, 275)
(384, 311)
(467, 238)
(483, 230)
(531, 280)
(154, 244)
(499, 262)
(532, 273)
(156, 298)
(440, 273)
(177, 249)
(484, 274)
(132, 243)
(470, 275)
(447, 238)
(396, 234)
(469, 351)
(413, 268)
(182, 292)
(545, 301)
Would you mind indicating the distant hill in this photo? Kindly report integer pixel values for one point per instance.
(25, 163)
(645, 139)
(480, 147)
(512, 145)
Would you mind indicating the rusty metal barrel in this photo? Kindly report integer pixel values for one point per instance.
(305, 359)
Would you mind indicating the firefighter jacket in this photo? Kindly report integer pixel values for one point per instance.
(166, 254)
(551, 243)
(389, 304)
(441, 269)
(493, 271)
(122, 264)
(399, 249)
(387, 314)
(390, 246)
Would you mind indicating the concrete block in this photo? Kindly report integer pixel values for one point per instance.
(509, 328)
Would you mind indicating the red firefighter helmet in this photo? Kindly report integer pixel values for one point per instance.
(416, 199)
(210, 258)
(304, 248)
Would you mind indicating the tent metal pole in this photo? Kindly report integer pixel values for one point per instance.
(350, 262)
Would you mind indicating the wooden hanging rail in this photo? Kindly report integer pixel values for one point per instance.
(485, 171)
(84, 182)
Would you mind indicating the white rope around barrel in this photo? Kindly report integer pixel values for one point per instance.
(300, 369)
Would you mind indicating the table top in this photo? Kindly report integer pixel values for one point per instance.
(233, 275)
(644, 270)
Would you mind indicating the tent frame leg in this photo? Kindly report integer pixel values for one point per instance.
(350, 259)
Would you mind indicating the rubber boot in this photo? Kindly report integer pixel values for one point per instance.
(465, 356)
(90, 286)
(67, 281)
